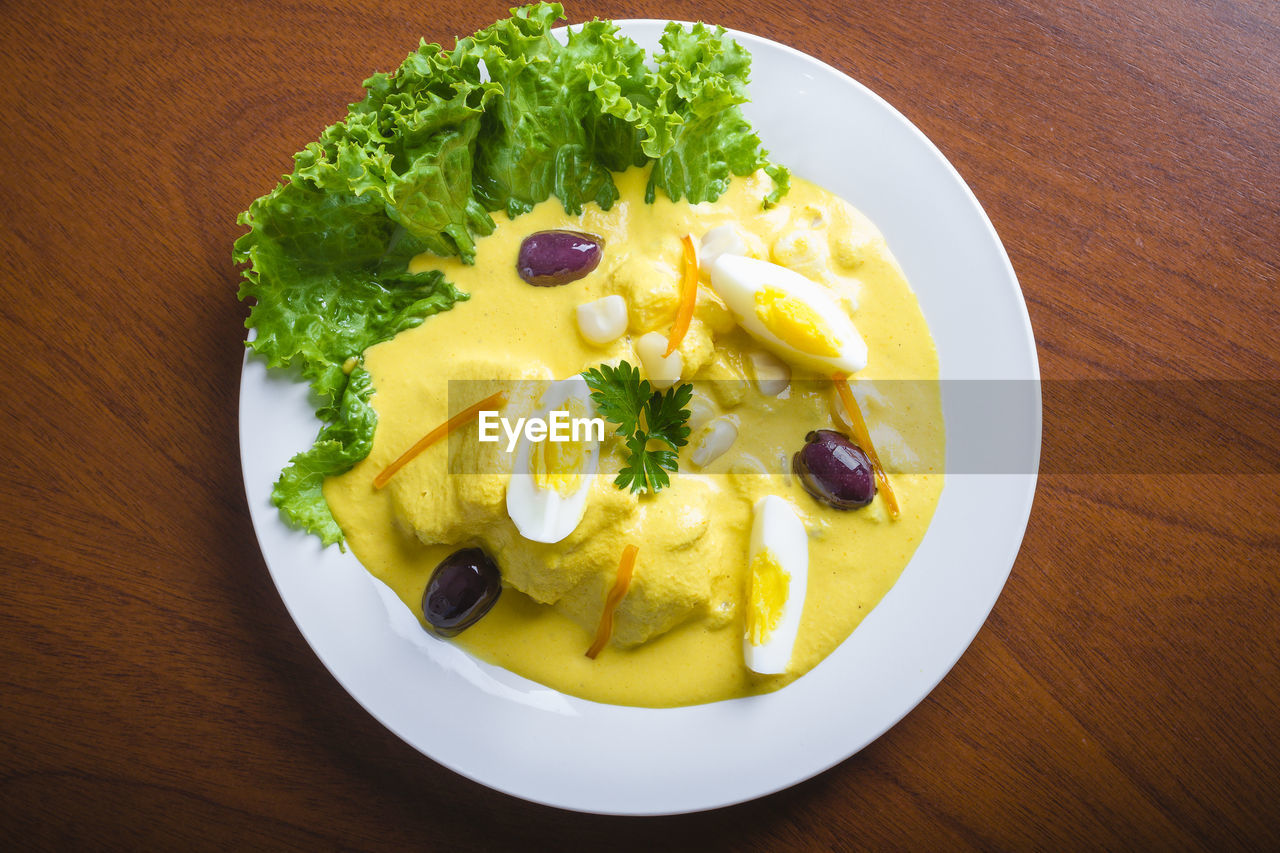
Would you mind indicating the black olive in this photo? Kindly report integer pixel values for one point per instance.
(461, 590)
(550, 258)
(834, 470)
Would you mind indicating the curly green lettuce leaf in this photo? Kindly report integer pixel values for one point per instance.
(552, 132)
(343, 441)
(696, 132)
(329, 278)
(409, 144)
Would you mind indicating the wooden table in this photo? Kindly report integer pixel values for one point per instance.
(1125, 691)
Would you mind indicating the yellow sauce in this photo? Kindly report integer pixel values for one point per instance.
(679, 632)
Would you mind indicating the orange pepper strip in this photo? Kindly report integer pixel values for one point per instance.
(619, 591)
(436, 434)
(688, 296)
(863, 438)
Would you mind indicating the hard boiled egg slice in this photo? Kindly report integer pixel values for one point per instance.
(779, 565)
(547, 493)
(795, 317)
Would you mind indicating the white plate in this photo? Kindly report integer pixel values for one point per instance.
(532, 742)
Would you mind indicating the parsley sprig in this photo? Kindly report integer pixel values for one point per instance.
(643, 415)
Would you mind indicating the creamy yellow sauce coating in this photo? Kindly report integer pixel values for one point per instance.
(678, 633)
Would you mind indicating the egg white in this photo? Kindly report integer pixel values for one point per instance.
(737, 280)
(542, 514)
(777, 527)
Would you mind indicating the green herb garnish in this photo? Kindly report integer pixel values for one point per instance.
(643, 415)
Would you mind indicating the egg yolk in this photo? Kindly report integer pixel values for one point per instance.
(558, 465)
(795, 323)
(769, 586)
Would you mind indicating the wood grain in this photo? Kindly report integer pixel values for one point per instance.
(1125, 692)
